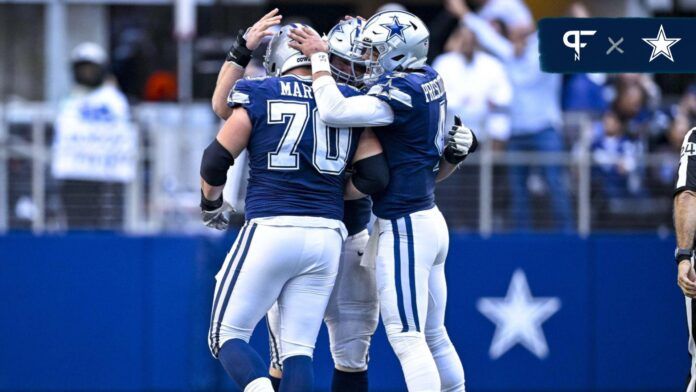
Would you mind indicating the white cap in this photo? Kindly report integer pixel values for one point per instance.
(88, 52)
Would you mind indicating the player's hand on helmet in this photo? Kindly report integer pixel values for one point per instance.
(245, 42)
(256, 33)
(215, 213)
(307, 41)
(350, 17)
(686, 279)
(460, 142)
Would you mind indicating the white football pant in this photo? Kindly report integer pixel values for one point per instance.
(351, 315)
(293, 265)
(412, 290)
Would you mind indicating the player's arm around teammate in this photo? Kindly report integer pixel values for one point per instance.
(352, 313)
(685, 226)
(410, 272)
(237, 59)
(365, 110)
(295, 198)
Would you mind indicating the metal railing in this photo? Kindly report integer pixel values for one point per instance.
(480, 197)
(162, 197)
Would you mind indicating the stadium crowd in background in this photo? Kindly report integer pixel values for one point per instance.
(486, 52)
(628, 113)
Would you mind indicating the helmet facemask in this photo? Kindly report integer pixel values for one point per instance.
(371, 55)
(346, 70)
(345, 67)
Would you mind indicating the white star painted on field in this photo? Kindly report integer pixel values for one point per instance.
(518, 318)
(661, 45)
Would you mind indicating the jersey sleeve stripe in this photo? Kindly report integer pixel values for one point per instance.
(237, 98)
(391, 93)
(401, 97)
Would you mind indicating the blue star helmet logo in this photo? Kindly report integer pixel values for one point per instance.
(395, 29)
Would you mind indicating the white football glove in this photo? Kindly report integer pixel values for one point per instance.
(460, 142)
(218, 218)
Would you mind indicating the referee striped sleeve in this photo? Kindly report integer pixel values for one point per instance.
(686, 176)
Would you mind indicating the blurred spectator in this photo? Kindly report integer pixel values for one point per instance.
(134, 58)
(479, 92)
(535, 112)
(584, 93)
(477, 87)
(616, 156)
(630, 101)
(681, 117)
(652, 92)
(666, 170)
(95, 145)
(687, 105)
(635, 100)
(512, 13)
(578, 9)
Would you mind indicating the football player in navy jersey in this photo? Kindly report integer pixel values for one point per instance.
(406, 100)
(352, 313)
(288, 251)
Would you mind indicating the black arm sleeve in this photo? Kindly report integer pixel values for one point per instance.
(215, 163)
(371, 174)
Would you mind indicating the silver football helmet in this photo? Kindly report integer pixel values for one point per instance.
(392, 41)
(345, 67)
(280, 57)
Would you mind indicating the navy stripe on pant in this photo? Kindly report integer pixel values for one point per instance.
(412, 271)
(397, 274)
(226, 300)
(216, 299)
(275, 353)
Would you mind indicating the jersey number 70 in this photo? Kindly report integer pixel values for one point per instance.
(325, 159)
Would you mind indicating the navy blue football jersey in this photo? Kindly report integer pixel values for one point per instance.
(296, 161)
(413, 143)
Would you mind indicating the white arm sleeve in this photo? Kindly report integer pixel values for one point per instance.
(488, 38)
(358, 111)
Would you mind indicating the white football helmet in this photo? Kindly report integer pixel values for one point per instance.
(341, 39)
(280, 57)
(392, 41)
